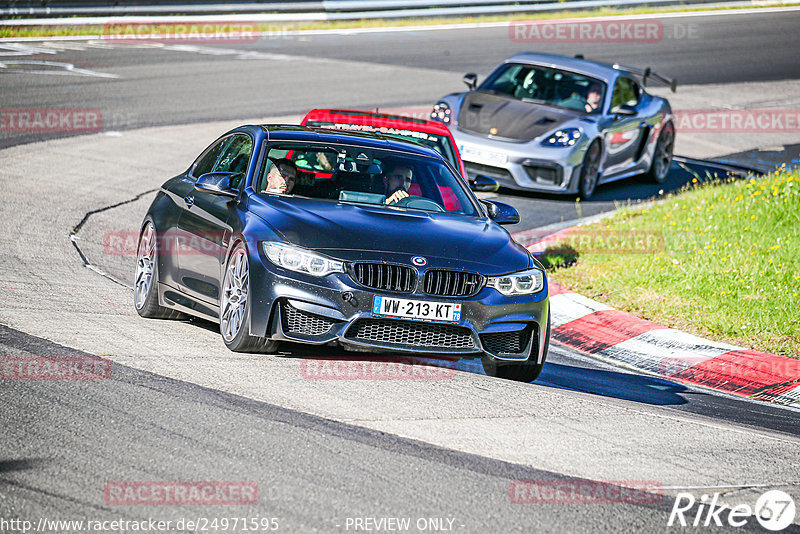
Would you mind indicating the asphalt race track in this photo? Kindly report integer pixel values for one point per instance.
(283, 74)
(179, 407)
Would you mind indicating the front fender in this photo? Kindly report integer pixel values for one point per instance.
(164, 214)
(254, 231)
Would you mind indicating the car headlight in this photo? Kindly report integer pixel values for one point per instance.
(441, 112)
(301, 260)
(521, 283)
(562, 138)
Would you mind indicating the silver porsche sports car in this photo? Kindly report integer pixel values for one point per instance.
(558, 124)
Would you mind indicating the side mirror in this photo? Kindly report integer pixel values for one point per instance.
(218, 183)
(501, 213)
(624, 110)
(483, 183)
(471, 79)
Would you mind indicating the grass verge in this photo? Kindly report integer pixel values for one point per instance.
(718, 259)
(10, 31)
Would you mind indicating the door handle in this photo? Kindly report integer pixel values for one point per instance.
(189, 199)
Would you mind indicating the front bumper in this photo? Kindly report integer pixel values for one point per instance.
(523, 166)
(335, 309)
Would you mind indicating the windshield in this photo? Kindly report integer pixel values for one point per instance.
(439, 143)
(358, 175)
(548, 86)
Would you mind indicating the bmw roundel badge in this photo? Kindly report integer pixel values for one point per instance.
(419, 261)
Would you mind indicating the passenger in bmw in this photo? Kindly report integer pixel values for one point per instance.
(281, 177)
(397, 183)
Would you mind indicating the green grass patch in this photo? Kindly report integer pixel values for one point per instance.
(720, 259)
(277, 28)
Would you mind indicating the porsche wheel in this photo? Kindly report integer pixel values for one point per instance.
(145, 284)
(590, 171)
(662, 157)
(234, 314)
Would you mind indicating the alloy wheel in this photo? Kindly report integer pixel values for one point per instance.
(234, 295)
(145, 265)
(664, 153)
(590, 171)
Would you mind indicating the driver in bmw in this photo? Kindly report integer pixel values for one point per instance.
(397, 183)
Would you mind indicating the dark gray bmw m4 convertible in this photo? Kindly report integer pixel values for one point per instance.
(284, 233)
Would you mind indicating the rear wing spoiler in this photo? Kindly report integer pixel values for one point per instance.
(649, 73)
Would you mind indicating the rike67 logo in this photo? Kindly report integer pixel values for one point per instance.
(774, 511)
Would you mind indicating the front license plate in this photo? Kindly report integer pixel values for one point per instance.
(483, 156)
(416, 309)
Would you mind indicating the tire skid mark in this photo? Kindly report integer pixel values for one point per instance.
(73, 236)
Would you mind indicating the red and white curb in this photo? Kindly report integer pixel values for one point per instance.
(598, 330)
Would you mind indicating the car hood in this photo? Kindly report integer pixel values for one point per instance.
(356, 232)
(513, 119)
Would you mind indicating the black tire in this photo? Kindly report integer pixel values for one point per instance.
(241, 340)
(590, 171)
(145, 299)
(519, 372)
(662, 155)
